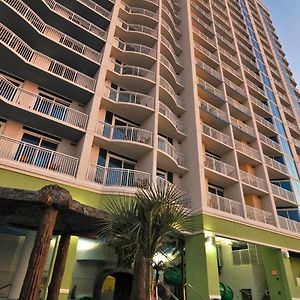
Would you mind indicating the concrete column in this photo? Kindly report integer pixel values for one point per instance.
(202, 278)
(22, 266)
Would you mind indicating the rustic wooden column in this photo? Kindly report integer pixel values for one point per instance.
(51, 196)
(59, 267)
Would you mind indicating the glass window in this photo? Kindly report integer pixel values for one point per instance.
(216, 190)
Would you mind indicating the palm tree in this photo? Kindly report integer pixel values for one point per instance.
(140, 225)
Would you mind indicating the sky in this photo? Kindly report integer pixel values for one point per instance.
(285, 15)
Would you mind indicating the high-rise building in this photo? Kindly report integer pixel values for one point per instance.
(104, 96)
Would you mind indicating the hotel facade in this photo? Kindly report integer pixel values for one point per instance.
(103, 97)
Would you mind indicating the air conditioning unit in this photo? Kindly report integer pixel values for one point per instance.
(298, 281)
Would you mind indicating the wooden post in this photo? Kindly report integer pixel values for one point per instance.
(59, 267)
(31, 286)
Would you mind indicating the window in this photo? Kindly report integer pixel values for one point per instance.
(285, 184)
(212, 155)
(216, 190)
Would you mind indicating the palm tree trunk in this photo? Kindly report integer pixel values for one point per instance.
(141, 288)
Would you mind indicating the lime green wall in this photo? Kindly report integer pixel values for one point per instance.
(295, 264)
(201, 267)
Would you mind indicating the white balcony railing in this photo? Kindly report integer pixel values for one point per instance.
(96, 7)
(167, 112)
(40, 105)
(283, 193)
(138, 28)
(220, 167)
(289, 224)
(137, 48)
(118, 177)
(170, 48)
(127, 70)
(25, 153)
(124, 133)
(253, 180)
(165, 146)
(139, 11)
(260, 215)
(130, 98)
(43, 62)
(167, 86)
(216, 135)
(50, 32)
(224, 204)
(178, 78)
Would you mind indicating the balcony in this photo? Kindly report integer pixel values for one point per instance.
(278, 170)
(215, 140)
(118, 177)
(253, 182)
(168, 158)
(123, 139)
(168, 48)
(239, 110)
(136, 33)
(218, 172)
(224, 204)
(232, 74)
(167, 32)
(247, 154)
(202, 26)
(257, 91)
(234, 90)
(262, 109)
(131, 53)
(206, 56)
(18, 58)
(19, 104)
(270, 147)
(229, 58)
(131, 105)
(293, 129)
(264, 126)
(171, 21)
(170, 97)
(282, 194)
(73, 24)
(169, 124)
(48, 39)
(169, 72)
(207, 73)
(289, 225)
(242, 131)
(140, 15)
(226, 45)
(210, 92)
(212, 114)
(132, 77)
(25, 154)
(260, 215)
(204, 40)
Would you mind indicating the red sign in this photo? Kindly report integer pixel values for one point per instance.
(274, 272)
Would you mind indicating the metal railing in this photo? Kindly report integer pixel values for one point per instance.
(140, 11)
(167, 86)
(261, 104)
(50, 32)
(260, 215)
(138, 28)
(253, 180)
(170, 48)
(133, 71)
(138, 48)
(130, 97)
(75, 18)
(206, 52)
(289, 224)
(165, 146)
(245, 149)
(211, 109)
(270, 142)
(242, 126)
(239, 106)
(118, 177)
(36, 156)
(208, 69)
(224, 204)
(235, 87)
(178, 79)
(220, 167)
(169, 14)
(283, 193)
(43, 62)
(210, 88)
(204, 37)
(264, 122)
(216, 134)
(124, 133)
(97, 8)
(169, 29)
(38, 104)
(276, 165)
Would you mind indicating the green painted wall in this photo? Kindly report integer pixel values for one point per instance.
(295, 264)
(201, 268)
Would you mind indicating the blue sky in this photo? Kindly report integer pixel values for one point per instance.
(285, 15)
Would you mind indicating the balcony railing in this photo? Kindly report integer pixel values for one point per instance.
(261, 104)
(118, 177)
(289, 224)
(166, 111)
(165, 146)
(74, 18)
(134, 71)
(264, 122)
(210, 88)
(249, 151)
(130, 97)
(216, 134)
(276, 165)
(138, 48)
(235, 87)
(25, 153)
(220, 167)
(138, 28)
(224, 204)
(50, 32)
(206, 52)
(260, 215)
(242, 127)
(211, 109)
(270, 142)
(253, 180)
(97, 8)
(140, 11)
(43, 62)
(283, 193)
(204, 37)
(208, 69)
(167, 86)
(178, 78)
(124, 133)
(170, 48)
(244, 109)
(169, 29)
(35, 103)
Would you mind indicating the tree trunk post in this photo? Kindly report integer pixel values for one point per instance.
(31, 285)
(139, 289)
(59, 267)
